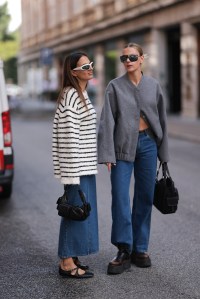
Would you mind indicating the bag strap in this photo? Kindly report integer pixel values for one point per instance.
(165, 170)
(158, 170)
(82, 196)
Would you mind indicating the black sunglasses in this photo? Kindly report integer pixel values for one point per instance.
(131, 57)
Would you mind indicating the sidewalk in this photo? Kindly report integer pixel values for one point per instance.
(184, 128)
(178, 127)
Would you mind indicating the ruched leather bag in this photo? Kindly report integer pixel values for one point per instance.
(73, 212)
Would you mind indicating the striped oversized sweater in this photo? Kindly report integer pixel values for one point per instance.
(74, 145)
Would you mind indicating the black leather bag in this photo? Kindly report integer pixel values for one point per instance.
(166, 195)
(72, 212)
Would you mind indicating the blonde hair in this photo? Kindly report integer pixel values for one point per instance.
(135, 46)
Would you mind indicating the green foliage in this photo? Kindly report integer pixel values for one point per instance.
(4, 22)
(9, 45)
(8, 52)
(8, 49)
(10, 69)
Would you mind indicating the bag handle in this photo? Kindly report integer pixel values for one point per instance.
(165, 170)
(81, 194)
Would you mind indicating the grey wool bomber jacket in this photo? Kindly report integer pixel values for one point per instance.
(119, 121)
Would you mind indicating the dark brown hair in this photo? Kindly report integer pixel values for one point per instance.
(67, 79)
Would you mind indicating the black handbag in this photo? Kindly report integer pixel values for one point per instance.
(166, 195)
(73, 212)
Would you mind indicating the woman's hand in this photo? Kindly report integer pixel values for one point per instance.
(109, 165)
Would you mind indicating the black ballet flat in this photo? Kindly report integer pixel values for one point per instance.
(78, 263)
(68, 273)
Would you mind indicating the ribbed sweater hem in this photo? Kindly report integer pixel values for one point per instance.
(74, 180)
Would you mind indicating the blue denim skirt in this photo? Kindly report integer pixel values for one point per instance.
(80, 238)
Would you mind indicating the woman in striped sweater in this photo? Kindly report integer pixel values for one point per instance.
(75, 163)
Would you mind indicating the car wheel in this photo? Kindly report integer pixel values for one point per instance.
(7, 191)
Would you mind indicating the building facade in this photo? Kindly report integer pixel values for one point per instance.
(168, 31)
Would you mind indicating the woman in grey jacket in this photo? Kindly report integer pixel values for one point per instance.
(132, 134)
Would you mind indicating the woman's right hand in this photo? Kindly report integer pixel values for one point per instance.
(109, 165)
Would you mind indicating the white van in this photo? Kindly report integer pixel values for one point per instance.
(6, 149)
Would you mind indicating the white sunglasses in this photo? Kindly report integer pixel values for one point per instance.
(84, 67)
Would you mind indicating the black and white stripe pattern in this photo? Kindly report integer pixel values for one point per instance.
(74, 145)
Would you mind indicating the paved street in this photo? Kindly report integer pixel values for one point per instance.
(29, 229)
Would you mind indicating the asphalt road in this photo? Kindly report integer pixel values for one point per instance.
(29, 227)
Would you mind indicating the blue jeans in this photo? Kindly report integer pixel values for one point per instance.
(132, 228)
(80, 238)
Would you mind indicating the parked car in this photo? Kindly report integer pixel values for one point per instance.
(15, 95)
(6, 148)
(14, 90)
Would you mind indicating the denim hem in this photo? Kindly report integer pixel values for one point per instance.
(77, 254)
(140, 249)
(123, 245)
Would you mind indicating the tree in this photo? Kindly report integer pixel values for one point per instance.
(9, 45)
(4, 22)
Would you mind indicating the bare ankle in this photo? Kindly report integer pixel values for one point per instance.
(67, 263)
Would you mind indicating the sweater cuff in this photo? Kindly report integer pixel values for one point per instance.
(70, 181)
